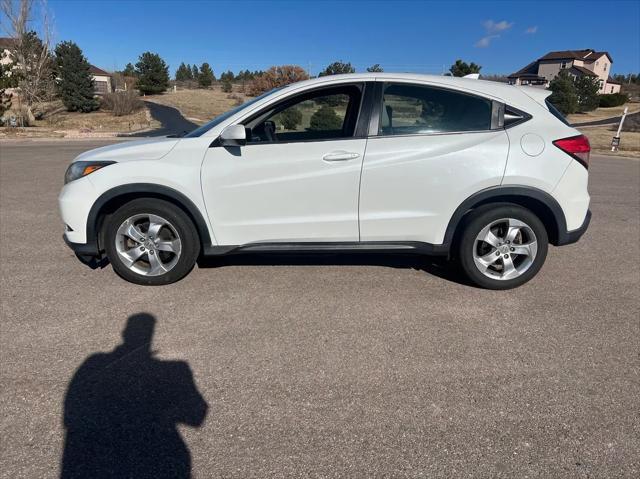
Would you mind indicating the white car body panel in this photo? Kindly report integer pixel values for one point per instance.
(399, 188)
(411, 185)
(283, 192)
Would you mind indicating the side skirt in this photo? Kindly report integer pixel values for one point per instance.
(366, 246)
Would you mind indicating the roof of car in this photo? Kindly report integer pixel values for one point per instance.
(483, 87)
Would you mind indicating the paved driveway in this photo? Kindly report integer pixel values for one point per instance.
(331, 365)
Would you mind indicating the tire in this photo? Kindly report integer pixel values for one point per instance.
(151, 242)
(502, 246)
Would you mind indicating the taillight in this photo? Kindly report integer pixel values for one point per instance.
(576, 146)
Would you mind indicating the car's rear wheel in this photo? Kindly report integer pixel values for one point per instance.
(502, 246)
(151, 242)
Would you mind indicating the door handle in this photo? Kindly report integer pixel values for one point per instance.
(340, 156)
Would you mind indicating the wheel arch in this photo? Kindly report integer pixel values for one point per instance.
(114, 198)
(542, 204)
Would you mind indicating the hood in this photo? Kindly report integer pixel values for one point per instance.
(150, 149)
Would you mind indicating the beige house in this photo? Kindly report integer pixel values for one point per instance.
(576, 62)
(102, 79)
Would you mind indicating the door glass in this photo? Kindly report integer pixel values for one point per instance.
(322, 115)
(414, 109)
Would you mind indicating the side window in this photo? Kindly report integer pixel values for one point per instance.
(330, 113)
(415, 109)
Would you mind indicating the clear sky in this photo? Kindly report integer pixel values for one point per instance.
(416, 36)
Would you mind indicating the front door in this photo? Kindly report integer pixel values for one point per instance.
(298, 177)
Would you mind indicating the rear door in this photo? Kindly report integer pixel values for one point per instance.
(429, 149)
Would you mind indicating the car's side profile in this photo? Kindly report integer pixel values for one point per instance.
(485, 173)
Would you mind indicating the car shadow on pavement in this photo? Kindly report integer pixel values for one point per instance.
(434, 265)
(122, 409)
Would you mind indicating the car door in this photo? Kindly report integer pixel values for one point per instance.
(296, 179)
(430, 148)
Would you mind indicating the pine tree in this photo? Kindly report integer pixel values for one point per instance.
(153, 73)
(76, 83)
(206, 77)
(564, 96)
(375, 68)
(460, 68)
(587, 89)
(194, 73)
(189, 72)
(182, 73)
(129, 70)
(337, 68)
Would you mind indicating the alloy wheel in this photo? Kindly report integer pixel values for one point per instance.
(148, 244)
(505, 249)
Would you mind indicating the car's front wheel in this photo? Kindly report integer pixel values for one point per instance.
(151, 242)
(502, 246)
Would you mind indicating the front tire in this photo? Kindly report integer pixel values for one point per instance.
(502, 246)
(151, 242)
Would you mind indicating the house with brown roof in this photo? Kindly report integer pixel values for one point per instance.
(102, 80)
(577, 63)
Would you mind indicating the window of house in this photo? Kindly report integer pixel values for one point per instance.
(605, 66)
(325, 114)
(563, 65)
(415, 109)
(100, 87)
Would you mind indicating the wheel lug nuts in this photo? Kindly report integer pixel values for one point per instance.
(512, 248)
(506, 256)
(151, 251)
(497, 253)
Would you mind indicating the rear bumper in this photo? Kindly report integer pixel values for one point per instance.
(569, 237)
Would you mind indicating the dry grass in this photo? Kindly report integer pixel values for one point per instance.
(600, 139)
(200, 106)
(602, 113)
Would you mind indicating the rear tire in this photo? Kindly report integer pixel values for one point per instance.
(502, 246)
(151, 242)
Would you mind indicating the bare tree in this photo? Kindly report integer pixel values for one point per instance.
(28, 23)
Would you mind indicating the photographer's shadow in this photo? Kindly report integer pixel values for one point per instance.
(122, 409)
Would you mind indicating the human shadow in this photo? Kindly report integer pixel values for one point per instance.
(433, 265)
(122, 409)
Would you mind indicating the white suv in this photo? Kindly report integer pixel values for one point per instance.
(486, 173)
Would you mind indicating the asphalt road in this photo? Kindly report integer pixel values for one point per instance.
(325, 366)
(171, 120)
(606, 121)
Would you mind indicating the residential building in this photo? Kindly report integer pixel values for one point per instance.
(102, 79)
(577, 63)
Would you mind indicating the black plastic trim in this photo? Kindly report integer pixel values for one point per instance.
(82, 249)
(351, 246)
(140, 189)
(500, 193)
(574, 235)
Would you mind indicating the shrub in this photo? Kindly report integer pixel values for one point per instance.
(325, 119)
(275, 77)
(121, 103)
(290, 118)
(614, 99)
(226, 86)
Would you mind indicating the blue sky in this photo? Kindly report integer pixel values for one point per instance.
(400, 35)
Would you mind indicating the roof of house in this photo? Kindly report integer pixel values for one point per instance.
(6, 43)
(584, 71)
(530, 69)
(98, 71)
(613, 82)
(586, 55)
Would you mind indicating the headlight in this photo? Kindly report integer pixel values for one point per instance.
(79, 169)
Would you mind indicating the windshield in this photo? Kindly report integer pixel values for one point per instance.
(227, 114)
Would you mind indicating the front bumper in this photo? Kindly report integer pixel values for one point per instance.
(569, 237)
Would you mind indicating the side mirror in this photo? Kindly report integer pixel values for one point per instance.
(233, 135)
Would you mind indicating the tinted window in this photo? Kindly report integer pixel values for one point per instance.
(320, 115)
(412, 109)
